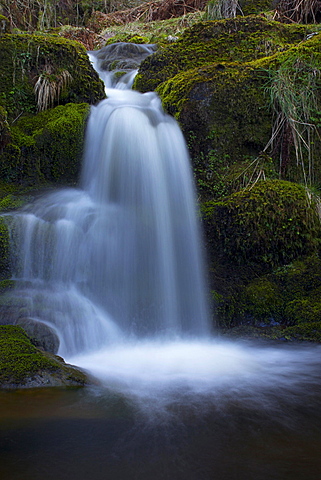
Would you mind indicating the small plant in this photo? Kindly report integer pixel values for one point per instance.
(49, 87)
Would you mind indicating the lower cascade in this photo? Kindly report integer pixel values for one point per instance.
(115, 266)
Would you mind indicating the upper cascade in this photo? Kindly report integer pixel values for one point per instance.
(117, 64)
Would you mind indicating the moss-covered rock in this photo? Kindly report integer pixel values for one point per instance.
(46, 147)
(60, 68)
(271, 224)
(128, 38)
(241, 39)
(223, 111)
(219, 81)
(23, 365)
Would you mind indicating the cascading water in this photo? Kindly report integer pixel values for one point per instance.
(115, 266)
(119, 257)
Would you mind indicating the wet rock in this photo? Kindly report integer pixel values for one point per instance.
(43, 336)
(22, 365)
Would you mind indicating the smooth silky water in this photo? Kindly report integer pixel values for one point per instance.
(115, 268)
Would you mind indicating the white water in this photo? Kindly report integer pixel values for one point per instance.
(116, 268)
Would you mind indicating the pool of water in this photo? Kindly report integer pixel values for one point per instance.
(225, 432)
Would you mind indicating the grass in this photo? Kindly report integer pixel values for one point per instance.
(293, 91)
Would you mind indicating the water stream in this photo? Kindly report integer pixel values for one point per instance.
(115, 267)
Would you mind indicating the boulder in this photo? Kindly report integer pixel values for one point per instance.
(43, 336)
(22, 365)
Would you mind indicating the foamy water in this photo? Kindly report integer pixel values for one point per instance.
(158, 374)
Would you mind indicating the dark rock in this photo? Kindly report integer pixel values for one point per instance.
(41, 334)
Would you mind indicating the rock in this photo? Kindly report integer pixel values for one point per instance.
(47, 146)
(44, 336)
(22, 365)
(59, 66)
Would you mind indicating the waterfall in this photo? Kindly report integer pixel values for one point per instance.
(120, 256)
(115, 269)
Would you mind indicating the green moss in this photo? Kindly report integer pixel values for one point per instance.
(21, 361)
(128, 38)
(288, 296)
(25, 58)
(242, 39)
(263, 301)
(271, 224)
(215, 81)
(12, 202)
(223, 111)
(6, 285)
(160, 32)
(48, 146)
(303, 332)
(250, 7)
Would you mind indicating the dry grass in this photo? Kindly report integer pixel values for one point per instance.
(298, 11)
(294, 96)
(49, 87)
(148, 12)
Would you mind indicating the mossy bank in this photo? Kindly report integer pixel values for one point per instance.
(46, 86)
(225, 82)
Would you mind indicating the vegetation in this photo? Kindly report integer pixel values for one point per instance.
(22, 364)
(270, 224)
(48, 146)
(28, 60)
(307, 11)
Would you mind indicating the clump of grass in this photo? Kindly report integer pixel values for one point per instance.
(49, 87)
(293, 90)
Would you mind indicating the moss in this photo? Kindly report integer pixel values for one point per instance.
(160, 32)
(6, 285)
(128, 38)
(48, 146)
(215, 81)
(271, 224)
(21, 361)
(242, 39)
(25, 58)
(304, 332)
(250, 7)
(13, 202)
(263, 301)
(222, 109)
(288, 296)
